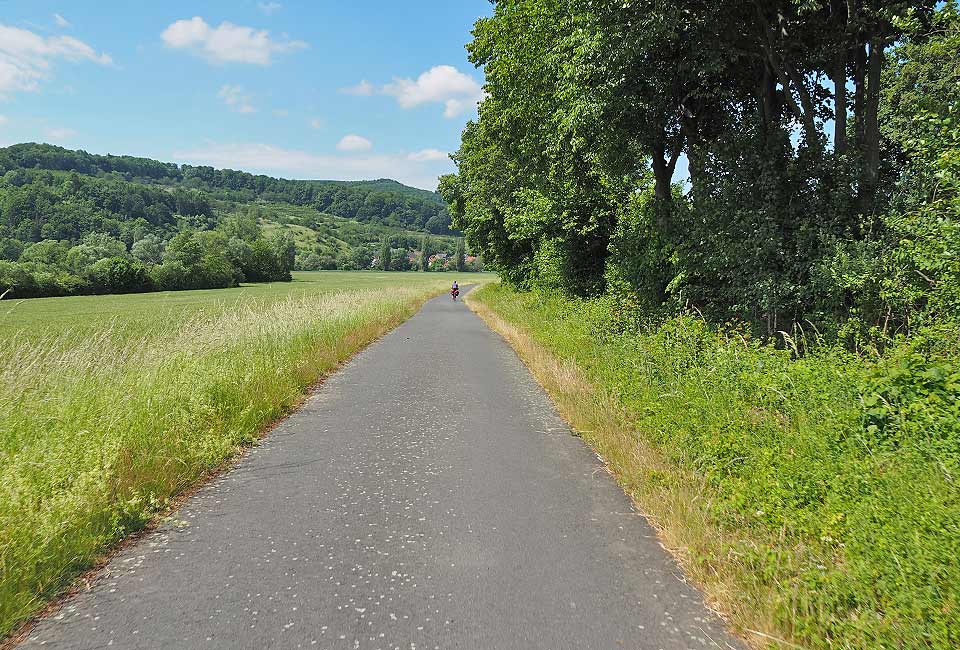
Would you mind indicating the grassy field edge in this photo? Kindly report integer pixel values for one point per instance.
(29, 585)
(666, 496)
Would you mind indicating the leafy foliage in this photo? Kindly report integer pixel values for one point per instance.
(382, 201)
(62, 212)
(565, 179)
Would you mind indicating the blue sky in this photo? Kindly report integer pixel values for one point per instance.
(323, 89)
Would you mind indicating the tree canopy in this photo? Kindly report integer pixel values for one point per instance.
(381, 201)
(796, 121)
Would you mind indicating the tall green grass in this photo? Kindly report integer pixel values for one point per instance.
(816, 499)
(98, 431)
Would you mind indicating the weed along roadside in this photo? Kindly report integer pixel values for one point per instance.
(101, 431)
(760, 471)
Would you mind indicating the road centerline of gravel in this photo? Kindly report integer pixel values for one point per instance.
(427, 495)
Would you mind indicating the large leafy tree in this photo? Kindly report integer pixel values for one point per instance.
(529, 192)
(774, 104)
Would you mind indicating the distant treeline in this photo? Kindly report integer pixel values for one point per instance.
(190, 259)
(383, 202)
(39, 204)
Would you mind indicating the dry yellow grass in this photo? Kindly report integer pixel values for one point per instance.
(673, 502)
(99, 432)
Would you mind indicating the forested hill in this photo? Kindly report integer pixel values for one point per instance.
(385, 202)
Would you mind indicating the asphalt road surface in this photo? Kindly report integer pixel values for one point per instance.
(426, 496)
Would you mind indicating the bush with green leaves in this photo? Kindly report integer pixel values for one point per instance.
(100, 263)
(170, 276)
(119, 275)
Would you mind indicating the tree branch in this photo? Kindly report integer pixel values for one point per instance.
(788, 78)
(675, 154)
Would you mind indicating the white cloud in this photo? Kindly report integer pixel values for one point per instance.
(269, 7)
(61, 21)
(316, 123)
(444, 84)
(362, 89)
(427, 155)
(354, 142)
(59, 133)
(269, 159)
(236, 99)
(3, 120)
(454, 107)
(281, 112)
(27, 58)
(226, 43)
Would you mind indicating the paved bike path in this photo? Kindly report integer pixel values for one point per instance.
(426, 496)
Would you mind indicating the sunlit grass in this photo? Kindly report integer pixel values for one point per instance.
(111, 405)
(39, 317)
(757, 470)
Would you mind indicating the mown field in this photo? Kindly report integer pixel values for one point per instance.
(814, 498)
(112, 405)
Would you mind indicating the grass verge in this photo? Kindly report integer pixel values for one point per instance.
(808, 519)
(99, 433)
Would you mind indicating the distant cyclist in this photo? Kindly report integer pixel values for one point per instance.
(455, 290)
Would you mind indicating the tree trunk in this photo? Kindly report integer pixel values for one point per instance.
(663, 181)
(791, 80)
(870, 170)
(859, 81)
(661, 175)
(696, 160)
(663, 167)
(847, 13)
(840, 101)
(769, 109)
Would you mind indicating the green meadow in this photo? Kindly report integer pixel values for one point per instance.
(141, 312)
(112, 405)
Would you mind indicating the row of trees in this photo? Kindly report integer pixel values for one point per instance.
(39, 204)
(426, 259)
(383, 202)
(55, 205)
(819, 138)
(394, 253)
(190, 259)
(388, 208)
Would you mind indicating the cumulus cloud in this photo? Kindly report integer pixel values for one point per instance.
(3, 120)
(59, 133)
(27, 58)
(427, 155)
(354, 142)
(444, 84)
(270, 159)
(236, 99)
(61, 21)
(269, 7)
(362, 89)
(226, 43)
